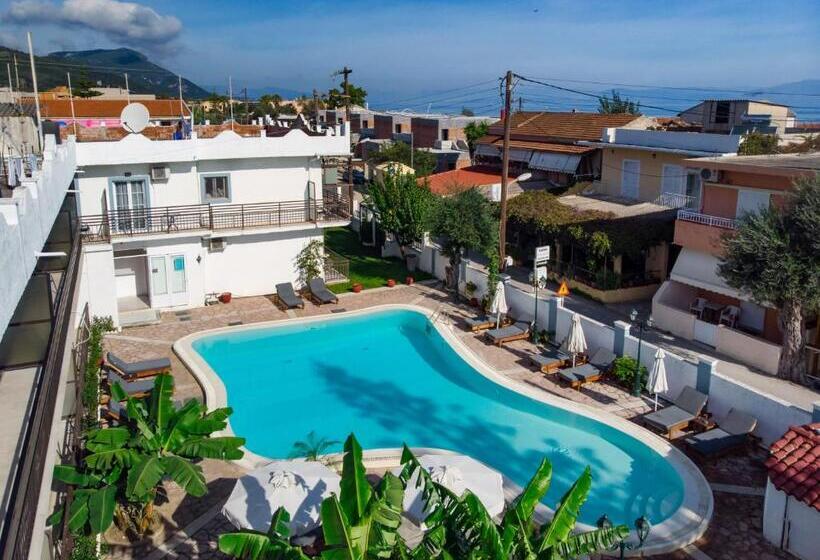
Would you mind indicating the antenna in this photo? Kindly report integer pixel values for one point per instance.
(134, 117)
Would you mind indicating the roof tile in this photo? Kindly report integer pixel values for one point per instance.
(794, 464)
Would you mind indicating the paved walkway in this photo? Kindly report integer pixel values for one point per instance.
(798, 395)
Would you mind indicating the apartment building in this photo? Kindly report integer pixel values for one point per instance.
(695, 302)
(170, 223)
(738, 116)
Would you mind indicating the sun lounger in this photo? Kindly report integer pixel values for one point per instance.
(319, 292)
(550, 360)
(133, 387)
(518, 331)
(686, 407)
(145, 368)
(580, 375)
(483, 322)
(732, 433)
(287, 297)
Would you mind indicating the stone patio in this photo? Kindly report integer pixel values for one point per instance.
(191, 527)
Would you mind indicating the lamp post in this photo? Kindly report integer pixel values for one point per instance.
(642, 528)
(642, 324)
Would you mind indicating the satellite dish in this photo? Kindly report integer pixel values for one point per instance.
(524, 177)
(134, 117)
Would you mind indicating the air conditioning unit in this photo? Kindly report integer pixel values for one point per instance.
(160, 173)
(710, 175)
(216, 244)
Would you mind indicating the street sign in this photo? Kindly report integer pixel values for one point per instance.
(542, 254)
(563, 290)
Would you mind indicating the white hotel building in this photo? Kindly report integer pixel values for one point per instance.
(165, 223)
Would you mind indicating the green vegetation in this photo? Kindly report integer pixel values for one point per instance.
(757, 143)
(91, 381)
(85, 548)
(312, 447)
(623, 369)
(424, 163)
(775, 255)
(475, 130)
(367, 267)
(335, 97)
(310, 261)
(403, 206)
(616, 104)
(256, 545)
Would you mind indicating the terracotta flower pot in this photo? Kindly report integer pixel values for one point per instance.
(391, 283)
(225, 297)
(474, 302)
(357, 288)
(409, 280)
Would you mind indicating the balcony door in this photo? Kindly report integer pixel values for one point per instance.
(169, 280)
(630, 178)
(129, 201)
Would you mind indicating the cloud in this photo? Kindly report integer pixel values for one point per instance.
(121, 22)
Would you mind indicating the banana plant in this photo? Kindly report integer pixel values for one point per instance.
(463, 527)
(362, 522)
(255, 545)
(93, 503)
(155, 440)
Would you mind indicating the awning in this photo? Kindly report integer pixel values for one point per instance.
(700, 270)
(520, 155)
(562, 163)
(487, 150)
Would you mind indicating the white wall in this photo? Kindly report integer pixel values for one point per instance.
(803, 536)
(97, 284)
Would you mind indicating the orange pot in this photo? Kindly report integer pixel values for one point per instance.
(357, 288)
(391, 283)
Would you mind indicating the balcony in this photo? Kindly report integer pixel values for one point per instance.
(167, 220)
(702, 232)
(706, 219)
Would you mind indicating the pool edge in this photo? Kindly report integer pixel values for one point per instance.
(684, 527)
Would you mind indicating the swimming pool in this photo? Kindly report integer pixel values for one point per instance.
(391, 377)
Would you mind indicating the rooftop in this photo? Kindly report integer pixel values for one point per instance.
(615, 206)
(567, 126)
(457, 180)
(109, 108)
(776, 164)
(794, 464)
(498, 141)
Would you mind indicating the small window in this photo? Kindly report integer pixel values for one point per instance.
(216, 188)
(398, 128)
(340, 120)
(364, 124)
(445, 134)
(722, 112)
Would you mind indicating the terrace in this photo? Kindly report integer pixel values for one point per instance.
(190, 527)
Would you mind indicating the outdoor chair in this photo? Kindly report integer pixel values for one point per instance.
(133, 387)
(319, 292)
(698, 306)
(599, 364)
(731, 434)
(551, 359)
(517, 331)
(685, 408)
(483, 322)
(287, 297)
(729, 315)
(144, 368)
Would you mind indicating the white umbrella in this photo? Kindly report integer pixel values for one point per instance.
(657, 377)
(499, 303)
(456, 473)
(298, 486)
(577, 343)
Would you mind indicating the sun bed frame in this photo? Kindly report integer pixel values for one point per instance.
(671, 420)
(131, 370)
(599, 364)
(550, 360)
(517, 331)
(286, 297)
(484, 322)
(319, 293)
(732, 434)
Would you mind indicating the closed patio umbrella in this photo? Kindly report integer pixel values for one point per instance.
(577, 342)
(457, 473)
(657, 377)
(499, 303)
(298, 486)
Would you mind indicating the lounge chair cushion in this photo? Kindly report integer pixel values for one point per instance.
(142, 385)
(738, 423)
(288, 296)
(133, 368)
(479, 321)
(668, 418)
(549, 356)
(579, 373)
(715, 441)
(691, 400)
(512, 330)
(318, 289)
(602, 358)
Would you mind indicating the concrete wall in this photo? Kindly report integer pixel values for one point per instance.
(801, 535)
(649, 182)
(748, 349)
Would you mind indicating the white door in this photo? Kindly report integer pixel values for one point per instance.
(705, 332)
(129, 201)
(169, 281)
(630, 178)
(673, 180)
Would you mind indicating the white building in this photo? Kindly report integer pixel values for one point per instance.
(166, 223)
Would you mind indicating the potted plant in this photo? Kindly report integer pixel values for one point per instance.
(469, 291)
(390, 282)
(225, 297)
(357, 287)
(409, 280)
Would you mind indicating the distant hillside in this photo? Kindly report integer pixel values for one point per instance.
(106, 66)
(256, 92)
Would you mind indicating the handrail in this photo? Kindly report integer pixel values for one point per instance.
(706, 219)
(676, 200)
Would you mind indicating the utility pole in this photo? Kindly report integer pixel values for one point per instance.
(71, 101)
(16, 72)
(230, 98)
(36, 93)
(505, 170)
(316, 108)
(520, 103)
(127, 91)
(11, 88)
(346, 72)
(247, 114)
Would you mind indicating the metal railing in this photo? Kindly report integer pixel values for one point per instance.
(677, 200)
(336, 267)
(214, 217)
(706, 219)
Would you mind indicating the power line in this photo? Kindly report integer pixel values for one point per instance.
(435, 93)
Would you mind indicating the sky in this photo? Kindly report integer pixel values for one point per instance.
(402, 51)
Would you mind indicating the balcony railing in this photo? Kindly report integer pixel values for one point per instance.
(676, 200)
(706, 220)
(214, 217)
(336, 267)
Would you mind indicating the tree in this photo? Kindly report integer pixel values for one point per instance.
(475, 130)
(310, 261)
(424, 163)
(402, 204)
(465, 221)
(123, 470)
(774, 255)
(757, 143)
(256, 545)
(335, 97)
(84, 87)
(615, 104)
(311, 447)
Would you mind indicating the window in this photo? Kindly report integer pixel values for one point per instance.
(722, 109)
(445, 134)
(693, 187)
(749, 200)
(216, 188)
(364, 124)
(340, 120)
(129, 202)
(672, 181)
(398, 128)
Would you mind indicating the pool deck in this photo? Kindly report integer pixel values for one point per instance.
(195, 537)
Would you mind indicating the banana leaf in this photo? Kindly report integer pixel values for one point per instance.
(187, 475)
(566, 514)
(162, 404)
(355, 490)
(143, 477)
(254, 545)
(590, 542)
(339, 543)
(101, 505)
(200, 447)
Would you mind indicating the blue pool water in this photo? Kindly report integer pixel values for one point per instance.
(390, 378)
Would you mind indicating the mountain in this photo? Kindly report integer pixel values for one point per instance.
(104, 66)
(256, 92)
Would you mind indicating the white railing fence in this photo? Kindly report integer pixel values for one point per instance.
(706, 219)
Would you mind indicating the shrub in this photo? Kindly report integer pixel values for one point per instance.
(91, 381)
(85, 548)
(624, 371)
(310, 261)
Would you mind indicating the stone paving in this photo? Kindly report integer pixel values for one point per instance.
(733, 533)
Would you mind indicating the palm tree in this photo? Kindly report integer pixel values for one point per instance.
(312, 447)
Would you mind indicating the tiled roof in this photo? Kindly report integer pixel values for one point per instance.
(794, 464)
(107, 108)
(553, 147)
(560, 126)
(457, 180)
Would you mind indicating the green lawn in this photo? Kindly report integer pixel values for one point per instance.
(366, 266)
